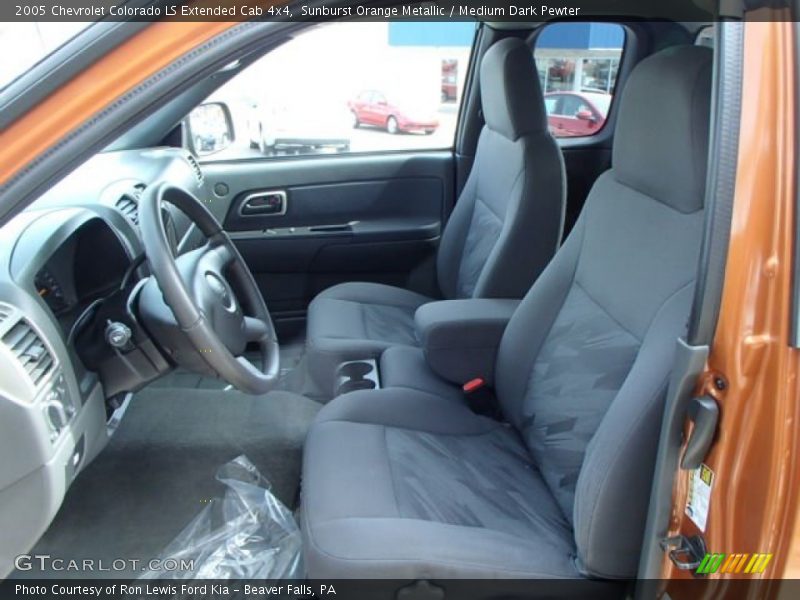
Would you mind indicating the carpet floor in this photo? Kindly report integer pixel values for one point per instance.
(158, 470)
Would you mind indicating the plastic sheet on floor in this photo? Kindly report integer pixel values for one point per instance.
(247, 534)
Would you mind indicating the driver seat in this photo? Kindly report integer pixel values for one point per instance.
(409, 485)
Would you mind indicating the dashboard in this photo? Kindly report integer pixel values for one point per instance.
(69, 264)
(73, 277)
(80, 242)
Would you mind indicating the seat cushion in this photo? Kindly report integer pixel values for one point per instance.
(402, 484)
(404, 366)
(358, 320)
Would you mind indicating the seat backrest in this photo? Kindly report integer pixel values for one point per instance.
(583, 365)
(508, 221)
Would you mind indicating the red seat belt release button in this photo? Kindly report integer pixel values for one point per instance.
(473, 385)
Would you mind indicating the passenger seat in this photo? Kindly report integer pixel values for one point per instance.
(402, 484)
(505, 227)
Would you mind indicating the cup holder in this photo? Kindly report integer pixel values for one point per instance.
(355, 370)
(357, 375)
(356, 384)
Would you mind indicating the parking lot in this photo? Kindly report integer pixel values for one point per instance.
(371, 139)
(363, 139)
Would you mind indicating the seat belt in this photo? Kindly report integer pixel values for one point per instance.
(482, 399)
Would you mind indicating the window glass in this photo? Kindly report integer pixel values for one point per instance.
(350, 87)
(24, 44)
(578, 65)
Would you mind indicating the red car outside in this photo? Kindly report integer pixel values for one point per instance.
(372, 108)
(573, 114)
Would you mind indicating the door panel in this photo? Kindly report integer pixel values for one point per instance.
(374, 217)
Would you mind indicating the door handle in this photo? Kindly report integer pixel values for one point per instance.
(270, 203)
(704, 413)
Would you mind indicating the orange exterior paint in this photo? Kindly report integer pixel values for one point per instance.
(120, 70)
(756, 458)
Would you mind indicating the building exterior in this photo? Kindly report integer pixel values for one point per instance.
(569, 56)
(581, 57)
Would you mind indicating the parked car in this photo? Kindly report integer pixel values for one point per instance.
(572, 114)
(372, 108)
(292, 129)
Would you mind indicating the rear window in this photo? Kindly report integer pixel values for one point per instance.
(578, 64)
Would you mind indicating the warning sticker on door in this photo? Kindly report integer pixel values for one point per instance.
(700, 482)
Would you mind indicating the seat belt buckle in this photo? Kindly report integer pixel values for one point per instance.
(473, 385)
(480, 398)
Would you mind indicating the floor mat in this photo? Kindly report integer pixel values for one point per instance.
(158, 471)
(293, 377)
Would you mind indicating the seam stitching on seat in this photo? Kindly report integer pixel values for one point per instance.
(365, 303)
(391, 471)
(666, 301)
(406, 560)
(605, 310)
(488, 207)
(526, 390)
(409, 428)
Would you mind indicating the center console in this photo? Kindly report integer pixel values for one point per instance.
(357, 375)
(460, 338)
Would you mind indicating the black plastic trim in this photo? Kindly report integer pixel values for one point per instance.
(720, 182)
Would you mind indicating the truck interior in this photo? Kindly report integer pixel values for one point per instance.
(447, 363)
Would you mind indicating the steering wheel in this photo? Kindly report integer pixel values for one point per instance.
(197, 289)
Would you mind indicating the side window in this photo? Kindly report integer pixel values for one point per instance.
(581, 59)
(349, 87)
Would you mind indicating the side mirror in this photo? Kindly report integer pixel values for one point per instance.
(585, 115)
(209, 128)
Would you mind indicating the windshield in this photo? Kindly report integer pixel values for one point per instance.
(22, 45)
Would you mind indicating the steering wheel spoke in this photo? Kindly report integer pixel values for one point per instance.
(218, 253)
(256, 330)
(205, 307)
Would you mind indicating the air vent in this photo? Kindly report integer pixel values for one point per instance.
(198, 172)
(128, 203)
(27, 347)
(5, 311)
(129, 207)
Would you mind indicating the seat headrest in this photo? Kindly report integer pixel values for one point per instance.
(661, 139)
(510, 93)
